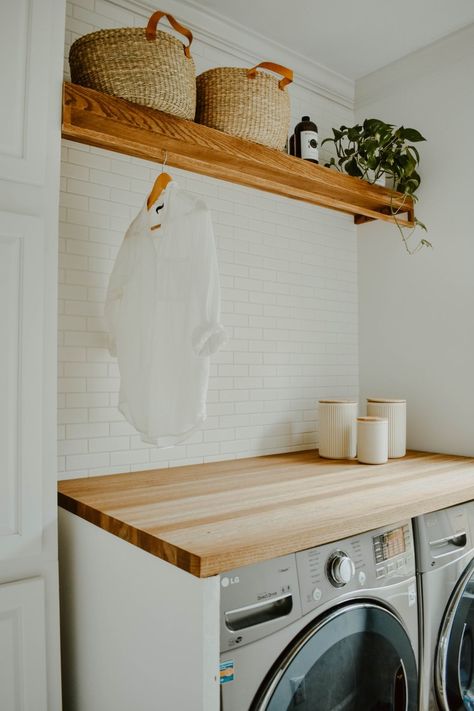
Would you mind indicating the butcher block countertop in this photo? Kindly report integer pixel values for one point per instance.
(210, 518)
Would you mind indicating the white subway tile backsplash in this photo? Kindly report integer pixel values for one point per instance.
(69, 200)
(109, 444)
(105, 414)
(71, 414)
(87, 399)
(78, 338)
(99, 385)
(72, 323)
(133, 456)
(87, 431)
(71, 385)
(289, 301)
(89, 370)
(83, 308)
(72, 446)
(87, 461)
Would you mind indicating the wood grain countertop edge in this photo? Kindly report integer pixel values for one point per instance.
(211, 563)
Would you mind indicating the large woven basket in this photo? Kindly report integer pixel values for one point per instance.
(246, 103)
(146, 66)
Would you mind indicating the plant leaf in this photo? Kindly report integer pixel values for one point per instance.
(373, 125)
(352, 168)
(412, 149)
(353, 133)
(411, 134)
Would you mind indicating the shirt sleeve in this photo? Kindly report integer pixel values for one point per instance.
(117, 281)
(209, 335)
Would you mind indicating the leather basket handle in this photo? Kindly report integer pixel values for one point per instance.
(286, 73)
(154, 20)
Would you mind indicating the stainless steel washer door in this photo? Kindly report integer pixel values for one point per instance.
(356, 658)
(454, 667)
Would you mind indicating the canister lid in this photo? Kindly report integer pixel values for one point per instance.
(368, 418)
(339, 402)
(384, 400)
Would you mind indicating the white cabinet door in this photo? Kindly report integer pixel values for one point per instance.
(24, 75)
(31, 67)
(22, 646)
(21, 359)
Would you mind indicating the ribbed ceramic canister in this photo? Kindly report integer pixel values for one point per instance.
(337, 429)
(396, 413)
(372, 440)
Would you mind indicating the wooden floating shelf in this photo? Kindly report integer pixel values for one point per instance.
(114, 124)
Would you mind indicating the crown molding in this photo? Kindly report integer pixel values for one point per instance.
(250, 47)
(416, 65)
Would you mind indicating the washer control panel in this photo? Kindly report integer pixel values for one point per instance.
(371, 560)
(258, 600)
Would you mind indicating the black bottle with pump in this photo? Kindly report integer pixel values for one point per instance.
(306, 140)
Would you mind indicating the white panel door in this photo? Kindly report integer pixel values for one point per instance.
(31, 67)
(22, 646)
(24, 74)
(21, 323)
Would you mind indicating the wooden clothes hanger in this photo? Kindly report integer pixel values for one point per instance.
(159, 185)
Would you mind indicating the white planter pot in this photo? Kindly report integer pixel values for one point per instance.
(396, 413)
(382, 180)
(337, 429)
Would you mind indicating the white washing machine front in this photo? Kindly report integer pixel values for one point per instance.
(330, 627)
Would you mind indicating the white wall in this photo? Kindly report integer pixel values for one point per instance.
(417, 313)
(288, 274)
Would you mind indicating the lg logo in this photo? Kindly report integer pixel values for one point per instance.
(225, 582)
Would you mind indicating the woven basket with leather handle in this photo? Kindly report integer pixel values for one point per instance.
(246, 103)
(146, 66)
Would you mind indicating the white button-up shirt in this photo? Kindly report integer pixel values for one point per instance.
(163, 316)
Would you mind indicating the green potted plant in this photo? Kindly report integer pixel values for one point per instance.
(374, 149)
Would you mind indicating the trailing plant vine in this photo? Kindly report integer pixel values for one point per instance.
(375, 148)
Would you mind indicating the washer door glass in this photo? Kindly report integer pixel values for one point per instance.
(358, 658)
(455, 660)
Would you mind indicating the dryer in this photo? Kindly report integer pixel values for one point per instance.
(332, 627)
(445, 563)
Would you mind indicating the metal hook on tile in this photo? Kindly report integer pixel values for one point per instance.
(164, 161)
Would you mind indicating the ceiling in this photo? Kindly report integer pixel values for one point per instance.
(351, 37)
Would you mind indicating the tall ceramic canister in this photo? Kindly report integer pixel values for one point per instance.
(396, 413)
(337, 429)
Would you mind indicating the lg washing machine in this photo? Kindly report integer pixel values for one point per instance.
(445, 562)
(332, 628)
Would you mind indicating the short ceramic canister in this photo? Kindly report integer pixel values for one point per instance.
(396, 413)
(372, 440)
(337, 428)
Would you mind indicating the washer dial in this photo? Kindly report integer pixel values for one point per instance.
(340, 569)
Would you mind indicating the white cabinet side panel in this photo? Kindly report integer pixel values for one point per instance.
(136, 632)
(22, 647)
(21, 319)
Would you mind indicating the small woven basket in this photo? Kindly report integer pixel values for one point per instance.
(146, 66)
(246, 103)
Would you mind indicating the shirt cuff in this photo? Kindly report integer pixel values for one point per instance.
(208, 339)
